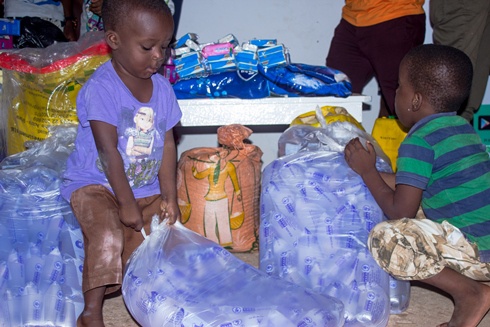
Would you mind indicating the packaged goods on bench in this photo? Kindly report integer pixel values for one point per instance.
(208, 72)
(267, 52)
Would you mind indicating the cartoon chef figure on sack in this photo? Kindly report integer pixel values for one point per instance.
(216, 216)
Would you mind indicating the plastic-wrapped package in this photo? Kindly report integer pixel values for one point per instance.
(330, 137)
(218, 189)
(316, 214)
(307, 80)
(41, 244)
(177, 277)
(234, 84)
(40, 86)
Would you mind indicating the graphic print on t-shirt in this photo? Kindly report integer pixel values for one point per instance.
(140, 144)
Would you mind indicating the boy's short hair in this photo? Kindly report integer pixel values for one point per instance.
(115, 12)
(442, 74)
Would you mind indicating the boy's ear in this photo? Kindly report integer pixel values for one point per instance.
(416, 101)
(112, 39)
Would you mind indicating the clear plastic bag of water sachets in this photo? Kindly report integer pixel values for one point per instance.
(179, 278)
(315, 217)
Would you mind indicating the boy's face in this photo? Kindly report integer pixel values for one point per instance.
(140, 45)
(404, 98)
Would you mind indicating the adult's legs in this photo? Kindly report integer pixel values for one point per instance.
(346, 55)
(465, 25)
(480, 73)
(385, 45)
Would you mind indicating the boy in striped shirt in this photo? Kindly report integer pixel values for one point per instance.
(442, 167)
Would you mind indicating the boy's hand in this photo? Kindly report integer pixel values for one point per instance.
(171, 211)
(358, 158)
(130, 216)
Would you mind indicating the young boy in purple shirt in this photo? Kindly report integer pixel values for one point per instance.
(123, 168)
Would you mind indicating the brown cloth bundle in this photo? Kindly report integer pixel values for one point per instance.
(219, 189)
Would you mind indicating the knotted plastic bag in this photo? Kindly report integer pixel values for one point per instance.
(177, 277)
(218, 189)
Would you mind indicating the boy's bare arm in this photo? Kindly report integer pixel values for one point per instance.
(397, 202)
(389, 179)
(167, 179)
(105, 136)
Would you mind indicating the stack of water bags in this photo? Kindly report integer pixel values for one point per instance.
(316, 214)
(41, 245)
(179, 278)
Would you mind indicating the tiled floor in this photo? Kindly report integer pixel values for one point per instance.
(427, 308)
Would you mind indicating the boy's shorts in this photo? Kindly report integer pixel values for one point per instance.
(417, 249)
(108, 243)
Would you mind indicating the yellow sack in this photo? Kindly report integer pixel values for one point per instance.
(37, 97)
(329, 113)
(389, 134)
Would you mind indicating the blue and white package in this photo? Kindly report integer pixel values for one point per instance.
(315, 217)
(263, 43)
(182, 40)
(219, 66)
(273, 56)
(230, 38)
(177, 277)
(188, 60)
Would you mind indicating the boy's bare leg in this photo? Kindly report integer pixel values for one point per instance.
(471, 298)
(92, 312)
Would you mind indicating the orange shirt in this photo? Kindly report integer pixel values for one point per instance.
(371, 12)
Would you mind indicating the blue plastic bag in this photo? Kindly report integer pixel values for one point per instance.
(307, 80)
(236, 84)
(291, 80)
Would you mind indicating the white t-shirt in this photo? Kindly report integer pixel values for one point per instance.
(34, 8)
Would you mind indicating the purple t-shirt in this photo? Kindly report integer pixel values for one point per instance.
(140, 126)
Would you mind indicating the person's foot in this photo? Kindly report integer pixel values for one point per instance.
(87, 320)
(470, 310)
